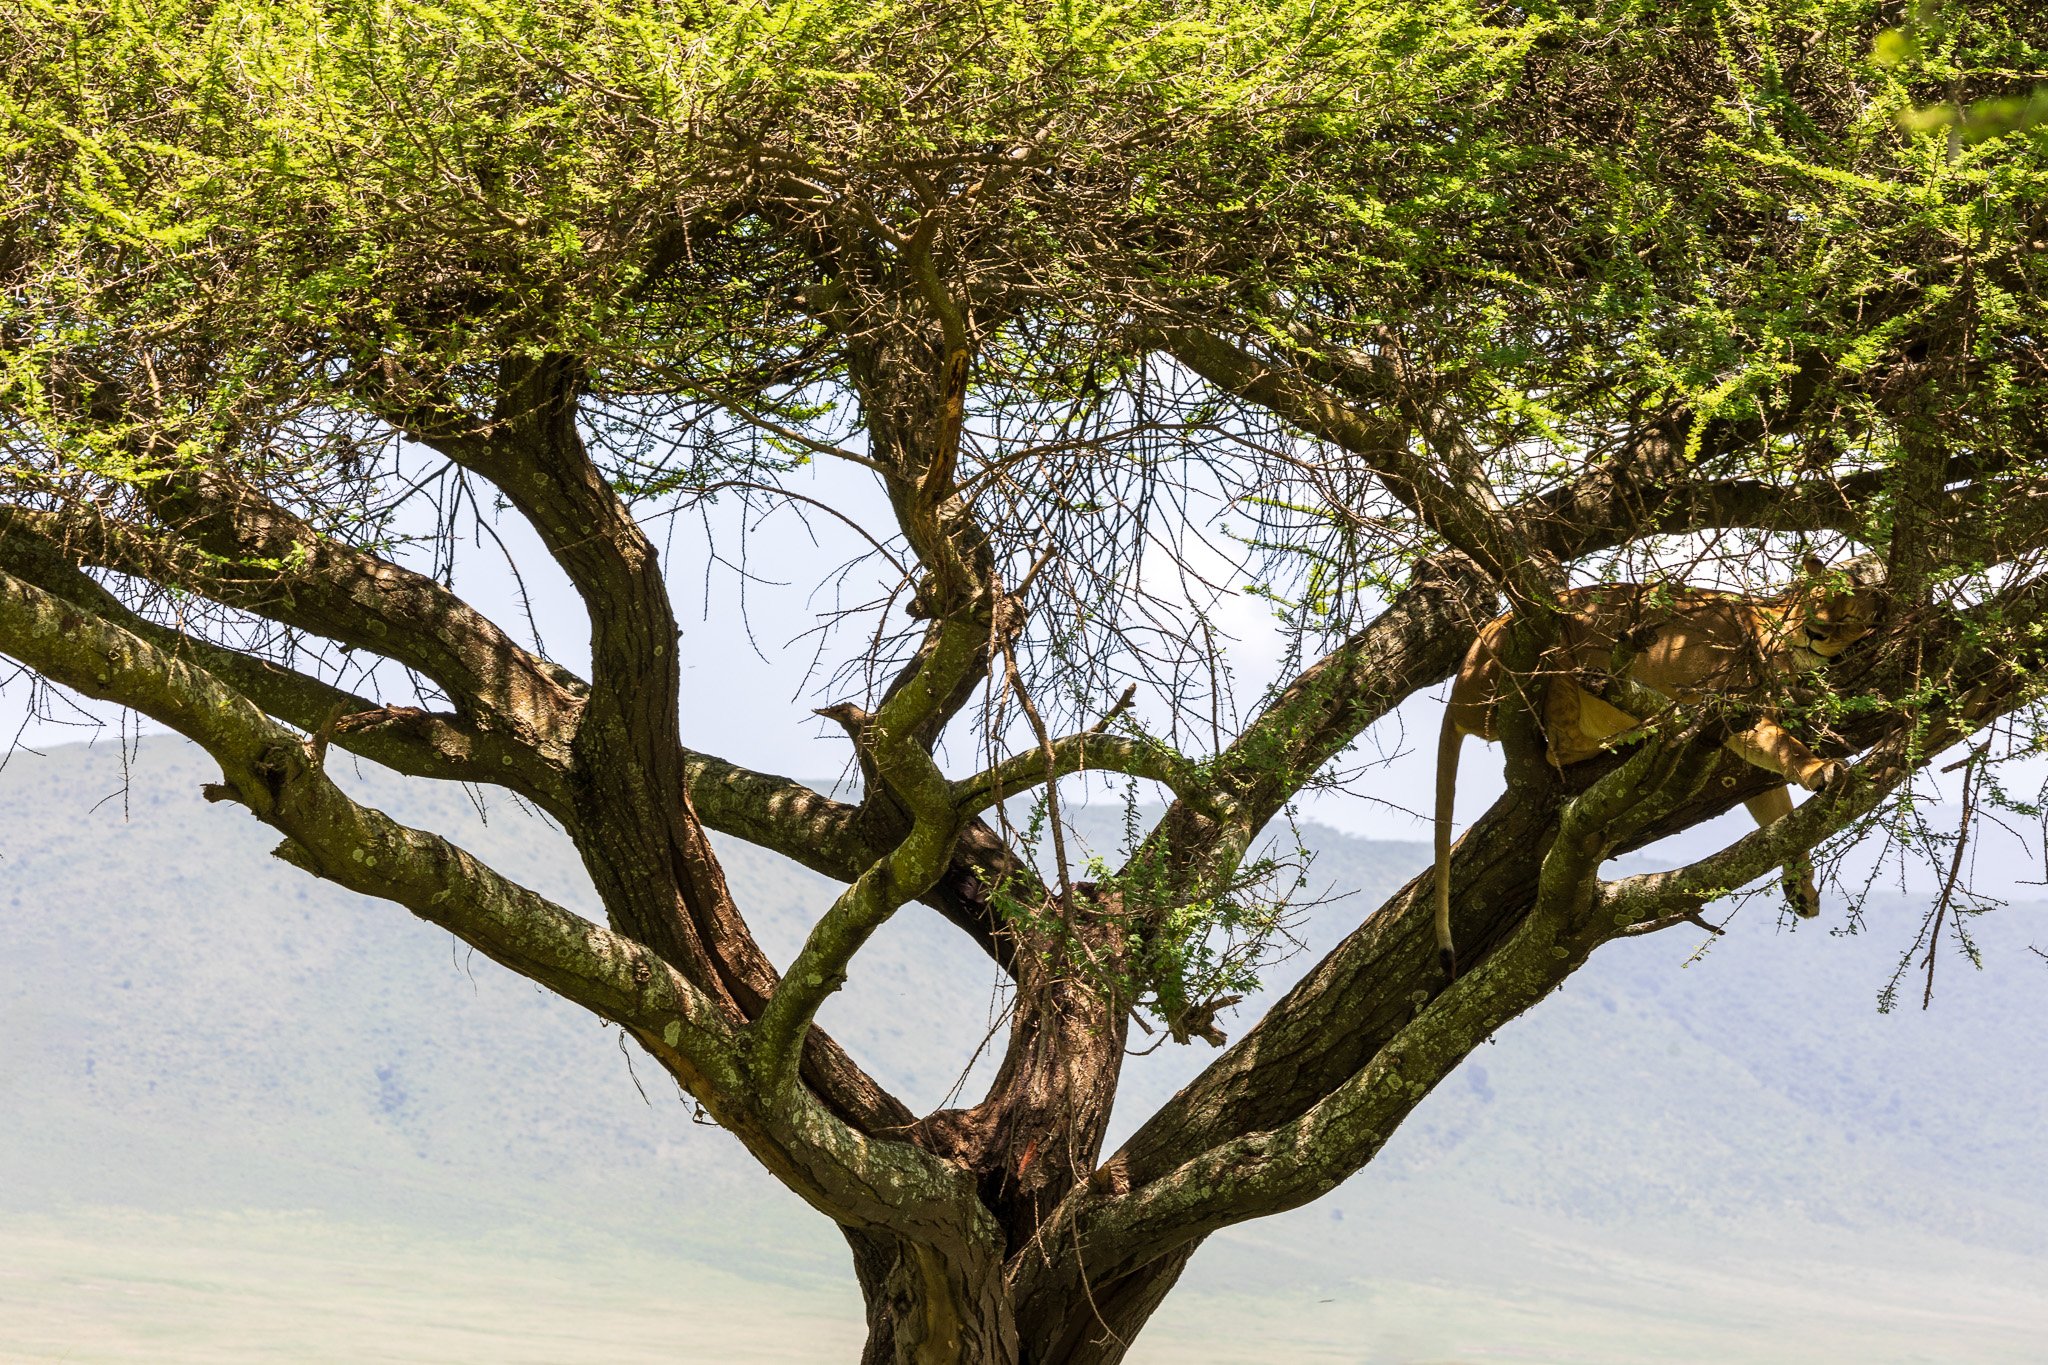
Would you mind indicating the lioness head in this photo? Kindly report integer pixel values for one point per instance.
(1825, 617)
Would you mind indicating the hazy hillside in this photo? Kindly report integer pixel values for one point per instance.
(251, 1117)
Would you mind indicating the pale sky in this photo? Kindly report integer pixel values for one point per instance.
(750, 641)
(746, 696)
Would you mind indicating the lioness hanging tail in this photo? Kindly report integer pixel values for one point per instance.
(1689, 643)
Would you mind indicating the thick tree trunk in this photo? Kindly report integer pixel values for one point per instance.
(925, 1307)
(1098, 1326)
(1329, 1028)
(1065, 1310)
(922, 1310)
(1040, 1131)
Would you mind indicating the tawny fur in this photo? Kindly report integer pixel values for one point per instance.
(1683, 644)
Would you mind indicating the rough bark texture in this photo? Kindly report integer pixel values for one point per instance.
(1058, 1255)
(1039, 334)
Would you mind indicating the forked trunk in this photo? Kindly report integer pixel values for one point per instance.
(1097, 1323)
(922, 1311)
(927, 1308)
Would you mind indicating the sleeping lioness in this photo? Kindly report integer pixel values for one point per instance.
(1683, 644)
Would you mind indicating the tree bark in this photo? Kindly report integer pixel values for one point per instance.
(927, 1308)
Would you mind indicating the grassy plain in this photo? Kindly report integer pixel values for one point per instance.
(248, 1118)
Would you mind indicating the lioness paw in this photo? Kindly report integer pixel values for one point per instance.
(1824, 775)
(1803, 896)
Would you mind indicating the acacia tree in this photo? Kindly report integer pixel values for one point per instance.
(1437, 308)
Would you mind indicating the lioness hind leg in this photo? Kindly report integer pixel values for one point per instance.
(1579, 724)
(1800, 892)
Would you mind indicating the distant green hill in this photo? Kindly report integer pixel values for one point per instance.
(210, 1059)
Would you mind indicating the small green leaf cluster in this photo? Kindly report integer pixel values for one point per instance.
(1177, 944)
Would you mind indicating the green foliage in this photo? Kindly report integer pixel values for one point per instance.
(1923, 45)
(260, 223)
(1183, 951)
(365, 172)
(1571, 212)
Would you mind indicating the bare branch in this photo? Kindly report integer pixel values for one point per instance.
(892, 737)
(1135, 757)
(271, 771)
(1492, 542)
(405, 739)
(329, 590)
(840, 840)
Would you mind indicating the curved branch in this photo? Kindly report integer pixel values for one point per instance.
(1492, 541)
(893, 737)
(839, 840)
(279, 778)
(1134, 757)
(404, 739)
(1266, 1171)
(344, 594)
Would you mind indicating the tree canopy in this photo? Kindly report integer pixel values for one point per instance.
(1404, 314)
